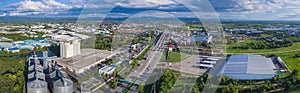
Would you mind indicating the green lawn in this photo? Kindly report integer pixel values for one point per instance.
(177, 56)
(291, 61)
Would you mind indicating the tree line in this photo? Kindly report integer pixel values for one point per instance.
(228, 85)
(266, 44)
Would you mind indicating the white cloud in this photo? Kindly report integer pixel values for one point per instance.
(146, 3)
(29, 7)
(257, 6)
(56, 5)
(257, 9)
(3, 14)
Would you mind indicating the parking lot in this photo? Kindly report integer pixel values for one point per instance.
(191, 65)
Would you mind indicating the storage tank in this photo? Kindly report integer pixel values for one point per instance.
(37, 86)
(63, 86)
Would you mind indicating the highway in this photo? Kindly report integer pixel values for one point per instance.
(143, 72)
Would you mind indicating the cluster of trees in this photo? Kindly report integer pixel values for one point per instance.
(162, 85)
(262, 44)
(227, 85)
(100, 42)
(204, 45)
(265, 43)
(15, 37)
(167, 81)
(103, 42)
(144, 38)
(12, 75)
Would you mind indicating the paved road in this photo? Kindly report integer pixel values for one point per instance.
(143, 72)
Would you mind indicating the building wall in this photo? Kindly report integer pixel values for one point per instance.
(250, 76)
(76, 48)
(69, 49)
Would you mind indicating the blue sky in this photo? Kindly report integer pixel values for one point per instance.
(225, 9)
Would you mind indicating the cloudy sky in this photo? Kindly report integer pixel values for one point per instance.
(225, 9)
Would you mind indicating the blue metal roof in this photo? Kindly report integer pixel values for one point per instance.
(15, 48)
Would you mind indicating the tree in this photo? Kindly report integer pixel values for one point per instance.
(141, 88)
(114, 83)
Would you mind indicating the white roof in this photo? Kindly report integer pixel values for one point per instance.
(63, 38)
(210, 62)
(205, 65)
(249, 64)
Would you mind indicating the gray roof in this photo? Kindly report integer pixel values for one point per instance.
(37, 84)
(87, 58)
(249, 64)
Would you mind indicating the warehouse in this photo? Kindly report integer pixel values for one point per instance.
(249, 67)
(87, 59)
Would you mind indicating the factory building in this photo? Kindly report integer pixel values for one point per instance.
(69, 48)
(249, 67)
(86, 60)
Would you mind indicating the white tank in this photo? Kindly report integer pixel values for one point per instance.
(63, 86)
(37, 86)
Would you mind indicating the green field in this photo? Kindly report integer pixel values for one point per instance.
(174, 56)
(294, 47)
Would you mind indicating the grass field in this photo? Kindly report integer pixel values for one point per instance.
(294, 47)
(173, 56)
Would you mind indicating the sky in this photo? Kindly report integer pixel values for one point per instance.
(224, 9)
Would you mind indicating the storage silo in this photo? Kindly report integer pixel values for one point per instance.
(63, 86)
(37, 86)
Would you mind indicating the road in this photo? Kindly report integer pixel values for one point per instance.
(143, 72)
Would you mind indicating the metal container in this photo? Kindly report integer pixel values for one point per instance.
(37, 86)
(63, 86)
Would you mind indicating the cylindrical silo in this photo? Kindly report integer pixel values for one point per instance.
(37, 86)
(63, 86)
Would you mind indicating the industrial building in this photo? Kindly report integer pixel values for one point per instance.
(86, 60)
(44, 77)
(249, 67)
(107, 70)
(26, 44)
(69, 46)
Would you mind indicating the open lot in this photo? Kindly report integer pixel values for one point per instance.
(190, 65)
